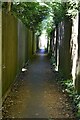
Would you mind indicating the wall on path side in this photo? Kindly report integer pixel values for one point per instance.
(0, 63)
(67, 49)
(18, 46)
(9, 50)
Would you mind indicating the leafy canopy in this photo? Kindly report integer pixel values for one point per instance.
(31, 13)
(43, 15)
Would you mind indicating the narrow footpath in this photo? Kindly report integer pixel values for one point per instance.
(36, 94)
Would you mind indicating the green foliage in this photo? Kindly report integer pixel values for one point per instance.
(30, 13)
(69, 88)
(52, 60)
(68, 85)
(59, 12)
(78, 113)
(33, 13)
(50, 25)
(72, 8)
(63, 10)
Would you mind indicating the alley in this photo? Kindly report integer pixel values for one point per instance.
(36, 94)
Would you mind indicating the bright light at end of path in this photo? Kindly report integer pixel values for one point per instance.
(43, 40)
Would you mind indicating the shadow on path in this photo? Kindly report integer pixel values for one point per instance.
(36, 94)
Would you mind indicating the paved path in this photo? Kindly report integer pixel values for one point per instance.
(36, 94)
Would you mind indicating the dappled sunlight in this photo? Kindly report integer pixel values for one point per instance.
(36, 94)
(55, 102)
(74, 47)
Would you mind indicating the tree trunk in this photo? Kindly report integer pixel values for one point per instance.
(77, 81)
(65, 55)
